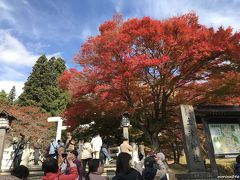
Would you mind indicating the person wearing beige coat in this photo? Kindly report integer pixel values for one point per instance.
(86, 155)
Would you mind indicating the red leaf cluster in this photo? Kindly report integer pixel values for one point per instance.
(31, 122)
(142, 65)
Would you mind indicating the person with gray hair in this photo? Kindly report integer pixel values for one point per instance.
(162, 164)
(153, 166)
(161, 160)
(37, 148)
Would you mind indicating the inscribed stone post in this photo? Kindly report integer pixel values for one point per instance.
(195, 161)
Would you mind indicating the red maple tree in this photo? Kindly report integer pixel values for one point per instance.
(141, 65)
(30, 121)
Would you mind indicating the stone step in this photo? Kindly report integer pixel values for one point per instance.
(39, 168)
(37, 173)
(39, 177)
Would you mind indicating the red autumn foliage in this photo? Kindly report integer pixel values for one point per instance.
(141, 65)
(221, 90)
(31, 122)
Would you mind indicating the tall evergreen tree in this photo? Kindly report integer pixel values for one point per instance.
(41, 88)
(12, 95)
(3, 97)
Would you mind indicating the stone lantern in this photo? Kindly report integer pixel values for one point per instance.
(125, 124)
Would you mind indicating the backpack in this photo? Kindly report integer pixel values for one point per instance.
(55, 150)
(47, 151)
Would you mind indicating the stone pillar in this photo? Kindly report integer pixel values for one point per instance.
(125, 123)
(2, 141)
(125, 132)
(194, 157)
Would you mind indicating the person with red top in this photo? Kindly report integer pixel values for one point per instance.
(78, 164)
(51, 170)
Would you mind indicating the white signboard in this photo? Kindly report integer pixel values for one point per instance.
(225, 138)
(4, 123)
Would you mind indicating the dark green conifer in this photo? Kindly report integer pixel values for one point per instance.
(12, 95)
(3, 97)
(41, 88)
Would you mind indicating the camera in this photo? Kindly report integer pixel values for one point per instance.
(64, 155)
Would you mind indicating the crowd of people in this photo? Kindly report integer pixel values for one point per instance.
(89, 154)
(64, 162)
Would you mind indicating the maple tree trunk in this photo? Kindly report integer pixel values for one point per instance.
(155, 142)
(178, 157)
(177, 154)
(174, 153)
(153, 138)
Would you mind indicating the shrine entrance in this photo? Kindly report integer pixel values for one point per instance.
(221, 126)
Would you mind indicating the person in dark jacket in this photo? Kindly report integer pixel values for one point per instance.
(18, 152)
(22, 172)
(124, 170)
(237, 168)
(150, 171)
(96, 169)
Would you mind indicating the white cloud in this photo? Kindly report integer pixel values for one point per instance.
(7, 86)
(5, 12)
(56, 55)
(11, 74)
(37, 46)
(13, 52)
(217, 20)
(118, 6)
(14, 59)
(212, 13)
(4, 6)
(86, 32)
(25, 2)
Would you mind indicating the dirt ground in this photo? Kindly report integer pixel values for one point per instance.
(176, 169)
(182, 167)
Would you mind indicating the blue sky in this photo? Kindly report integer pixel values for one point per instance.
(29, 28)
